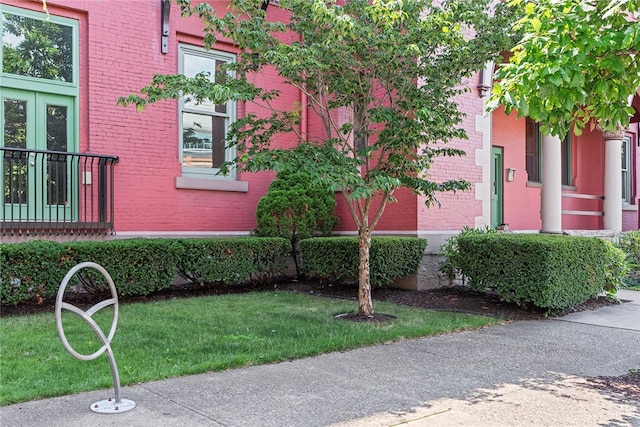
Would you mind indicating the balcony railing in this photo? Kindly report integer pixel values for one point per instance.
(56, 193)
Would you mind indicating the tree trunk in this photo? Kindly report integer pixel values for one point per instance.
(365, 303)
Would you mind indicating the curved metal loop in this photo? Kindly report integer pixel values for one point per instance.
(87, 315)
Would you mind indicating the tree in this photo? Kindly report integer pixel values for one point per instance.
(395, 66)
(577, 63)
(295, 209)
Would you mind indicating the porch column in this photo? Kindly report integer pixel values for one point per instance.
(613, 180)
(551, 194)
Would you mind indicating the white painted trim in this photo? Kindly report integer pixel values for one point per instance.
(211, 184)
(484, 126)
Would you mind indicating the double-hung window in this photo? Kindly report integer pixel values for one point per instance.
(534, 154)
(204, 125)
(626, 170)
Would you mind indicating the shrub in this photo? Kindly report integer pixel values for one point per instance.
(295, 209)
(617, 269)
(233, 260)
(450, 267)
(630, 244)
(548, 271)
(335, 259)
(31, 270)
(137, 266)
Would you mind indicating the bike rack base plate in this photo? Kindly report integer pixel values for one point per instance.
(109, 406)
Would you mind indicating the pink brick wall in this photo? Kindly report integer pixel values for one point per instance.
(461, 208)
(120, 53)
(521, 203)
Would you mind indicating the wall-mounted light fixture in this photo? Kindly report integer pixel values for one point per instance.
(164, 24)
(511, 174)
(486, 79)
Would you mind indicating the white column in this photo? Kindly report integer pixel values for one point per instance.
(551, 194)
(613, 180)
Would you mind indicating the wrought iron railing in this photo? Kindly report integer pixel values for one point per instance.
(56, 193)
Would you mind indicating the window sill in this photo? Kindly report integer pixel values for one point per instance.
(535, 184)
(212, 184)
(628, 207)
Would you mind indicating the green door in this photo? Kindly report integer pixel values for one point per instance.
(497, 183)
(37, 186)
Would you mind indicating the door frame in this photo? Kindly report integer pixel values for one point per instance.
(37, 166)
(497, 186)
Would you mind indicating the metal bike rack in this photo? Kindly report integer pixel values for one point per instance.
(108, 406)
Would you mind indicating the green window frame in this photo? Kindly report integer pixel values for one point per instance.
(39, 77)
(43, 73)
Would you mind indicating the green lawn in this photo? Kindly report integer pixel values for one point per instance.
(186, 336)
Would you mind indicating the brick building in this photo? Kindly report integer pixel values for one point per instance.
(77, 164)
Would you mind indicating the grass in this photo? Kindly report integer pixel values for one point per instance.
(186, 336)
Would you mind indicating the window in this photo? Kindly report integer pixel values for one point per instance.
(626, 170)
(38, 98)
(203, 126)
(534, 154)
(39, 52)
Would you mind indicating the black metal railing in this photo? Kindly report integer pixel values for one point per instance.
(56, 193)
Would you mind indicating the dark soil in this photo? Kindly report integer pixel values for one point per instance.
(452, 298)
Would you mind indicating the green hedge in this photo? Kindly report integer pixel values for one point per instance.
(335, 259)
(549, 271)
(35, 269)
(233, 260)
(630, 244)
(31, 270)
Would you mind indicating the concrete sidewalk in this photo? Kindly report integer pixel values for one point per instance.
(522, 373)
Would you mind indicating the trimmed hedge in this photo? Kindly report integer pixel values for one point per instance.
(31, 270)
(233, 260)
(549, 271)
(335, 259)
(34, 270)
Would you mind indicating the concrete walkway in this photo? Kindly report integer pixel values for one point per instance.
(524, 373)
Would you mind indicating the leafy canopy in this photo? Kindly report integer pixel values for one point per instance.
(576, 63)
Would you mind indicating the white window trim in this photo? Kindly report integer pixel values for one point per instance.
(626, 185)
(230, 153)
